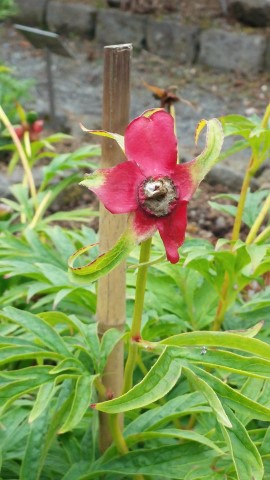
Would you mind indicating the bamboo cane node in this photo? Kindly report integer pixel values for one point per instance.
(103, 327)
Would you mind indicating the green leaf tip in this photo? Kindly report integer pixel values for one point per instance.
(102, 133)
(94, 180)
(104, 263)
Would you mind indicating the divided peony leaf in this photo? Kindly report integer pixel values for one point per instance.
(246, 458)
(44, 396)
(156, 384)
(34, 452)
(249, 366)
(218, 339)
(80, 404)
(213, 400)
(172, 433)
(169, 461)
(152, 419)
(233, 398)
(38, 327)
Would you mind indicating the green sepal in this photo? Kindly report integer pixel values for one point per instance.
(94, 180)
(102, 133)
(210, 154)
(104, 263)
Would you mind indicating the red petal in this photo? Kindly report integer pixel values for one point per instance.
(118, 193)
(172, 230)
(144, 225)
(151, 143)
(184, 181)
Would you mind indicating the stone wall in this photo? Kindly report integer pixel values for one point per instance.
(230, 48)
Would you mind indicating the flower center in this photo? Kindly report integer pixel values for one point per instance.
(157, 196)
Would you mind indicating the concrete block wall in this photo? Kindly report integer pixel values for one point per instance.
(243, 50)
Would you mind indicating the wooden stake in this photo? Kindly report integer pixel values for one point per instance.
(111, 300)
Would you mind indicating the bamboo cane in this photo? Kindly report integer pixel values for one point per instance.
(111, 301)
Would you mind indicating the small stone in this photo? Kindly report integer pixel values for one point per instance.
(220, 223)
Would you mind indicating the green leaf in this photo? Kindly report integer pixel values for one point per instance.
(14, 384)
(233, 398)
(211, 397)
(44, 332)
(172, 433)
(232, 362)
(69, 363)
(218, 339)
(156, 384)
(14, 354)
(246, 458)
(81, 402)
(180, 406)
(252, 388)
(32, 461)
(104, 263)
(220, 207)
(235, 148)
(109, 340)
(170, 461)
(77, 470)
(44, 396)
(237, 125)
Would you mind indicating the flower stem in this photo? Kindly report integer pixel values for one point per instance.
(263, 235)
(22, 155)
(255, 227)
(135, 331)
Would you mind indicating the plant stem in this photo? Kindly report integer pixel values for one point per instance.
(22, 155)
(251, 169)
(135, 331)
(242, 201)
(259, 220)
(117, 434)
(222, 306)
(248, 176)
(40, 210)
(266, 117)
(119, 440)
(263, 235)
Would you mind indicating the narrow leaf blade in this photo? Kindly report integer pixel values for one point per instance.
(158, 382)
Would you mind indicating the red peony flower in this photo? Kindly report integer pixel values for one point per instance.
(150, 185)
(34, 129)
